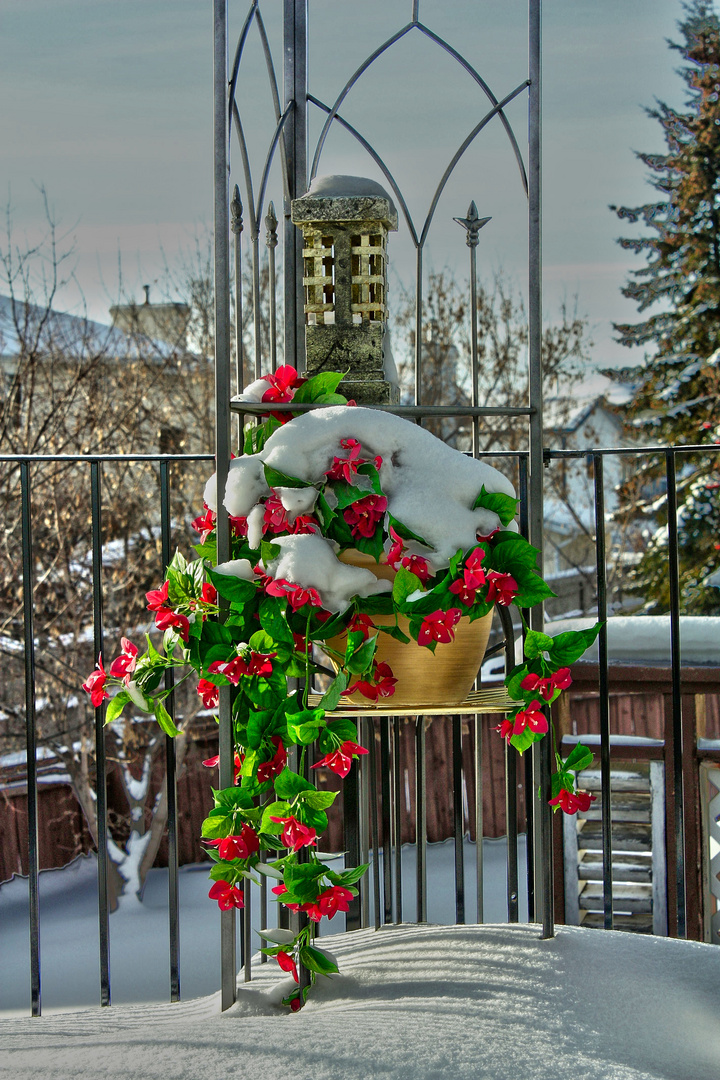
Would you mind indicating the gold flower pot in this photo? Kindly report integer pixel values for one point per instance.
(444, 677)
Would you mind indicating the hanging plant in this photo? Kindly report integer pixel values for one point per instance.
(310, 489)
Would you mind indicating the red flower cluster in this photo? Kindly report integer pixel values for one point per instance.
(297, 596)
(287, 963)
(333, 899)
(530, 717)
(295, 835)
(363, 515)
(361, 624)
(283, 384)
(258, 664)
(501, 588)
(414, 563)
(439, 626)
(227, 895)
(570, 802)
(346, 468)
(559, 680)
(276, 519)
(237, 847)
(380, 685)
(340, 761)
(473, 577)
(267, 770)
(95, 684)
(165, 617)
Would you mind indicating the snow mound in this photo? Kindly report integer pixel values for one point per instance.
(309, 560)
(491, 1002)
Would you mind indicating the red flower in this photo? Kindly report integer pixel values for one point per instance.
(267, 770)
(295, 835)
(361, 624)
(227, 895)
(570, 802)
(396, 548)
(205, 523)
(439, 626)
(505, 728)
(209, 693)
(283, 384)
(258, 664)
(363, 515)
(380, 685)
(340, 761)
(561, 679)
(95, 684)
(208, 593)
(466, 588)
(238, 525)
(124, 665)
(275, 516)
(296, 594)
(346, 468)
(333, 900)
(167, 619)
(237, 847)
(418, 566)
(501, 588)
(157, 598)
(287, 963)
(472, 563)
(530, 717)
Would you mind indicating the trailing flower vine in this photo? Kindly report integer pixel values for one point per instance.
(254, 622)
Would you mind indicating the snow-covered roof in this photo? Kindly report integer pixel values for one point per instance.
(68, 333)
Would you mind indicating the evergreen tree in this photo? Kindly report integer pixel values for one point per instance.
(677, 399)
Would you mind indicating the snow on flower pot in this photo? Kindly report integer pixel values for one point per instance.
(422, 678)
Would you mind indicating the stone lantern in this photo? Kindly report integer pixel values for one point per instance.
(345, 222)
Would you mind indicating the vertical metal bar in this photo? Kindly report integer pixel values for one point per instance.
(236, 217)
(100, 763)
(479, 819)
(601, 565)
(418, 324)
(30, 740)
(527, 758)
(541, 760)
(385, 788)
(247, 931)
(351, 837)
(364, 821)
(271, 239)
(472, 225)
(677, 720)
(372, 810)
(295, 48)
(397, 805)
(221, 131)
(170, 766)
(257, 322)
(511, 828)
(458, 830)
(420, 821)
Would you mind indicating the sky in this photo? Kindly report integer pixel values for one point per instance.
(108, 108)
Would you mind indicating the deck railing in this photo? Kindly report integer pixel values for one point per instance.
(374, 793)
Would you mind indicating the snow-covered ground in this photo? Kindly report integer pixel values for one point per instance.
(139, 956)
(417, 1003)
(491, 1002)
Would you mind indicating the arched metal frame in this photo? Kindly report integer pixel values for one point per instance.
(291, 137)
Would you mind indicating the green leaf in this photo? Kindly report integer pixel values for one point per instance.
(371, 545)
(269, 552)
(395, 632)
(268, 870)
(217, 825)
(273, 620)
(278, 935)
(505, 506)
(274, 809)
(524, 740)
(324, 511)
(332, 696)
(377, 605)
(361, 660)
(508, 552)
(235, 589)
(404, 585)
(289, 784)
(536, 643)
(326, 382)
(337, 732)
(347, 494)
(579, 758)
(349, 876)
(315, 960)
(368, 469)
(301, 880)
(532, 589)
(320, 800)
(274, 479)
(116, 706)
(569, 647)
(262, 642)
(224, 871)
(165, 720)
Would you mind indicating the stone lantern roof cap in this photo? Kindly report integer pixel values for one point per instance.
(345, 198)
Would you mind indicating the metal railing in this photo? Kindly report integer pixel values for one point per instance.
(373, 810)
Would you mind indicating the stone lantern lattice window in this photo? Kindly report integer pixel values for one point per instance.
(345, 223)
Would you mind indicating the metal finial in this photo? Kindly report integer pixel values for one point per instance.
(147, 293)
(271, 224)
(472, 225)
(236, 211)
